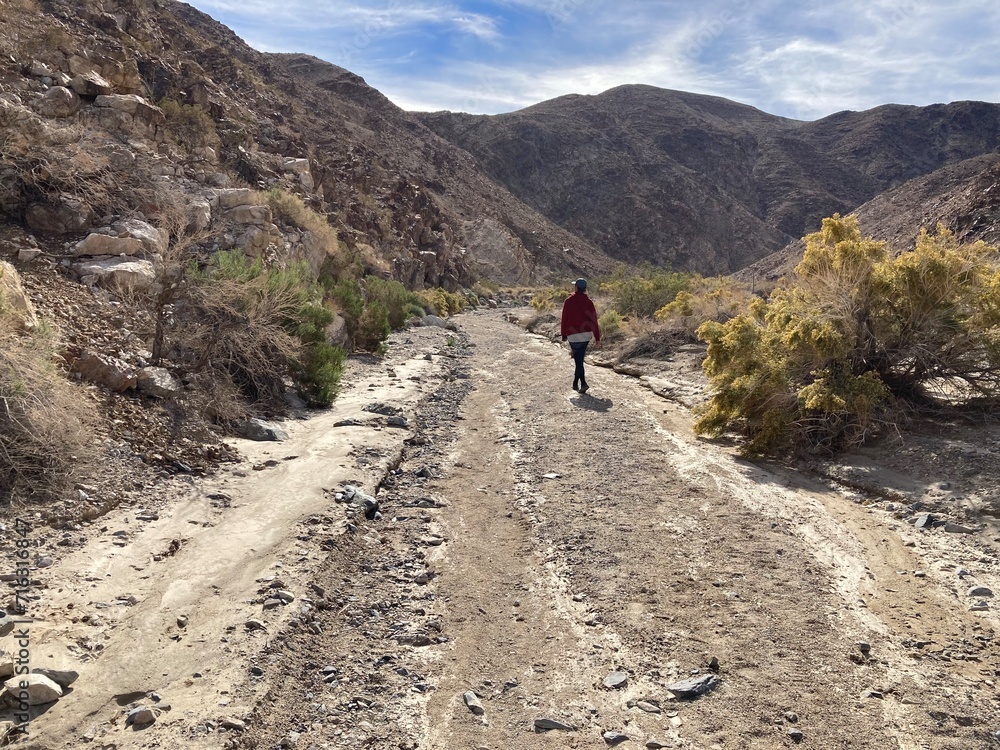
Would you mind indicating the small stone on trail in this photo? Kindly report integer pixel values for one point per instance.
(40, 689)
(713, 664)
(875, 694)
(791, 717)
(795, 735)
(255, 625)
(616, 680)
(864, 647)
(182, 621)
(980, 591)
(233, 724)
(61, 677)
(656, 744)
(649, 708)
(956, 528)
(615, 738)
(397, 421)
(543, 724)
(472, 701)
(140, 716)
(924, 521)
(694, 687)
(272, 603)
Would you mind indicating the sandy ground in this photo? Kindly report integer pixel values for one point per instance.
(531, 542)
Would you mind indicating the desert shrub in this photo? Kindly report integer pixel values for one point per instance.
(442, 302)
(291, 209)
(855, 337)
(261, 326)
(189, 125)
(373, 327)
(610, 323)
(717, 299)
(641, 292)
(46, 428)
(548, 299)
(393, 296)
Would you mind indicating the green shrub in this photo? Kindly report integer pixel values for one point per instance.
(548, 299)
(610, 323)
(642, 292)
(394, 297)
(373, 327)
(321, 369)
(830, 358)
(349, 297)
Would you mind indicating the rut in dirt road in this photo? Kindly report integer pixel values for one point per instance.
(568, 537)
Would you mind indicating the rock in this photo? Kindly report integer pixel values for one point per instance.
(614, 738)
(28, 253)
(236, 724)
(616, 680)
(397, 421)
(90, 84)
(544, 724)
(140, 716)
(955, 528)
(255, 625)
(261, 431)
(795, 735)
(257, 215)
(694, 687)
(872, 694)
(62, 215)
(472, 701)
(15, 300)
(129, 274)
(7, 625)
(6, 667)
(434, 320)
(656, 744)
(980, 591)
(649, 708)
(40, 689)
(58, 101)
(295, 166)
(104, 370)
(336, 333)
(62, 677)
(157, 382)
(133, 105)
(233, 197)
(864, 647)
(98, 243)
(924, 521)
(199, 213)
(286, 596)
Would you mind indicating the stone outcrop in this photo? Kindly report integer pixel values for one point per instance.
(13, 299)
(124, 237)
(91, 84)
(126, 274)
(58, 101)
(103, 369)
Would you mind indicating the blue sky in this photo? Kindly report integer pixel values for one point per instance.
(797, 59)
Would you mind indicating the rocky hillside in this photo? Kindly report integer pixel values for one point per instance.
(703, 183)
(123, 100)
(964, 196)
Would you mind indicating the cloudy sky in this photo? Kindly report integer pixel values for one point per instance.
(801, 59)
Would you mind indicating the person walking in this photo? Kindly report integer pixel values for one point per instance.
(579, 328)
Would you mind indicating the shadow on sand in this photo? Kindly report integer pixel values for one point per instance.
(591, 403)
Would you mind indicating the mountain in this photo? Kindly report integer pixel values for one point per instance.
(702, 183)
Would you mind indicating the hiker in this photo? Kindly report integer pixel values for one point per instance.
(579, 328)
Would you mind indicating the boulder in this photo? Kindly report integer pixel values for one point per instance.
(258, 429)
(157, 382)
(62, 677)
(104, 370)
(295, 166)
(6, 667)
(133, 105)
(257, 215)
(124, 237)
(58, 101)
(39, 688)
(13, 298)
(199, 215)
(233, 197)
(64, 215)
(337, 334)
(90, 84)
(126, 273)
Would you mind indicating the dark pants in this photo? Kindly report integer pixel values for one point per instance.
(579, 349)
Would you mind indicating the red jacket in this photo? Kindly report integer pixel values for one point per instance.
(579, 316)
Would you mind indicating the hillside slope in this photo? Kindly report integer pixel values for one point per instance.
(703, 183)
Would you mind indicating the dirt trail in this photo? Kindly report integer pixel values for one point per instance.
(533, 541)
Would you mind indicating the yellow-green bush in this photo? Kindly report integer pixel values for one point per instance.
(443, 302)
(854, 335)
(715, 298)
(548, 299)
(610, 323)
